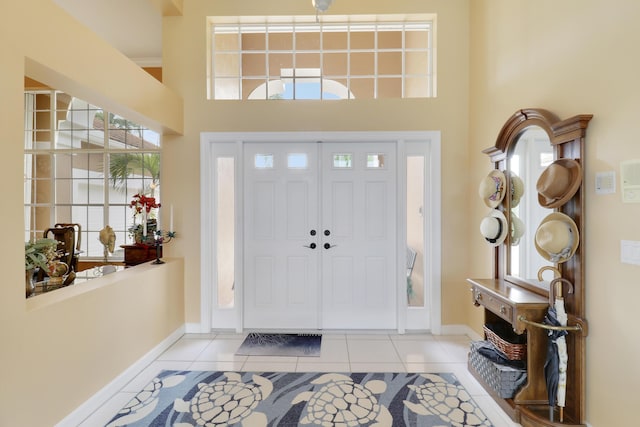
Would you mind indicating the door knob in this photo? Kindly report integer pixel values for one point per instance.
(312, 232)
(311, 246)
(328, 246)
(327, 232)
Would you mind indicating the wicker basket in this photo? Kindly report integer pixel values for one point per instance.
(513, 346)
(504, 380)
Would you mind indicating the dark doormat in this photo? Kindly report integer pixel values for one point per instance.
(259, 344)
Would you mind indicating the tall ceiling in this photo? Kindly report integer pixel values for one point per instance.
(134, 27)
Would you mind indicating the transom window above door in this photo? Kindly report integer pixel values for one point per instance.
(338, 58)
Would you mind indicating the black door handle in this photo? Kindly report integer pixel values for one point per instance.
(312, 232)
(311, 246)
(328, 246)
(327, 232)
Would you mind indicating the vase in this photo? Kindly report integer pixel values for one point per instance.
(29, 284)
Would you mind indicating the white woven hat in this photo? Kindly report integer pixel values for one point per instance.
(492, 188)
(494, 227)
(557, 238)
(517, 189)
(517, 229)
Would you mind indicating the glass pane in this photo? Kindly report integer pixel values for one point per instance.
(297, 161)
(224, 42)
(390, 88)
(250, 85)
(416, 63)
(375, 161)
(363, 40)
(390, 63)
(390, 40)
(362, 88)
(254, 41)
(308, 41)
(225, 244)
(278, 62)
(118, 219)
(415, 231)
(95, 190)
(343, 160)
(263, 161)
(362, 64)
(308, 60)
(304, 90)
(225, 88)
(416, 87)
(334, 40)
(335, 64)
(226, 64)
(280, 41)
(417, 39)
(254, 64)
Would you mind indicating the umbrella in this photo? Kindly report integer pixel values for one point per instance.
(552, 362)
(561, 343)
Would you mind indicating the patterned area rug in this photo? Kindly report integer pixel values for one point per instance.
(261, 344)
(196, 398)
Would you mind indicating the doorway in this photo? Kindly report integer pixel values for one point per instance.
(320, 235)
(315, 231)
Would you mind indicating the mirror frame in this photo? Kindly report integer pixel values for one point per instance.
(567, 141)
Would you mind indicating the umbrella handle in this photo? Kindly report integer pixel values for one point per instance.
(558, 293)
(556, 272)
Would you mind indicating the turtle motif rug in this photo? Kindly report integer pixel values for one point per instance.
(199, 398)
(264, 344)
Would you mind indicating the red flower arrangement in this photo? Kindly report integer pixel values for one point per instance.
(140, 202)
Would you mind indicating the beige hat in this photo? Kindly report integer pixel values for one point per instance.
(494, 227)
(517, 189)
(517, 229)
(492, 188)
(557, 238)
(559, 182)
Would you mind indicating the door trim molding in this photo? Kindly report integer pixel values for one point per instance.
(207, 155)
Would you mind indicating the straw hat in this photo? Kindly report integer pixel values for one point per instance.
(559, 182)
(557, 238)
(517, 189)
(492, 188)
(494, 227)
(517, 229)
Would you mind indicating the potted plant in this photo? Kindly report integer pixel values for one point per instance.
(142, 206)
(37, 254)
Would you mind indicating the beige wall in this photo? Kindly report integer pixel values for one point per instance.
(184, 70)
(572, 57)
(517, 54)
(58, 349)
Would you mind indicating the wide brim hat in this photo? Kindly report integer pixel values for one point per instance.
(517, 189)
(494, 227)
(493, 188)
(559, 182)
(517, 229)
(557, 238)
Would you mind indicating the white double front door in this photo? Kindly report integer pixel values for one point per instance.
(320, 235)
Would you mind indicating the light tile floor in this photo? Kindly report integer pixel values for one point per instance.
(341, 352)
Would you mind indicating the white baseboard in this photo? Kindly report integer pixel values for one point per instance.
(460, 330)
(90, 406)
(193, 328)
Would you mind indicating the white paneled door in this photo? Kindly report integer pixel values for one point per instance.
(320, 235)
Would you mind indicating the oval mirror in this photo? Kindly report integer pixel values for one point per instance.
(528, 156)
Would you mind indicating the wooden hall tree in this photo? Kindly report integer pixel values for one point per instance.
(516, 299)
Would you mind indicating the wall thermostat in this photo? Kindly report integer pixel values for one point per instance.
(606, 182)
